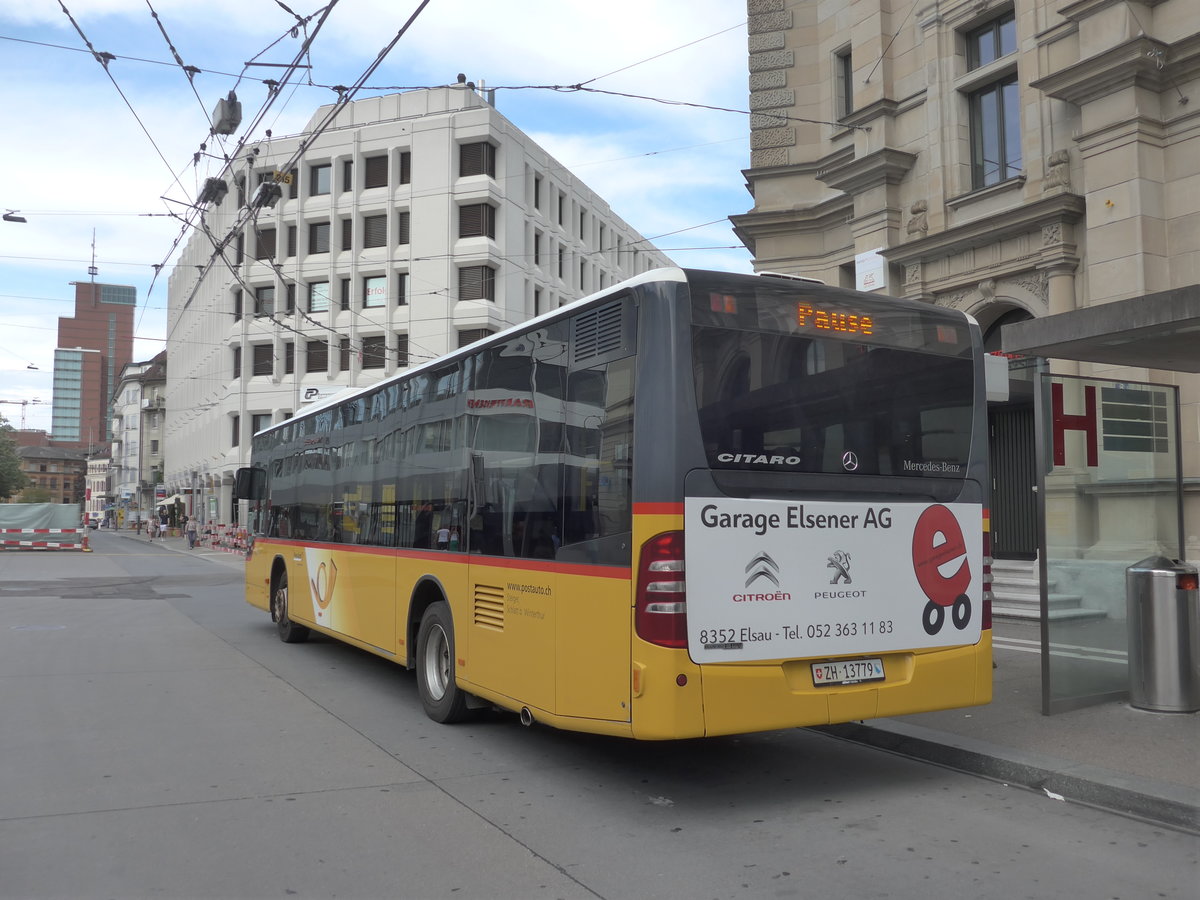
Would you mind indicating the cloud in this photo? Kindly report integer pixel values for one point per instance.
(79, 161)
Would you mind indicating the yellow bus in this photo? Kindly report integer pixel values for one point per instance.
(692, 504)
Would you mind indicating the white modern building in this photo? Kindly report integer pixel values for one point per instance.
(409, 225)
(139, 411)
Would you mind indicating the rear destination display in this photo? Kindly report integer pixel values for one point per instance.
(770, 579)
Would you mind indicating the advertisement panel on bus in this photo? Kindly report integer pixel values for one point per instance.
(769, 579)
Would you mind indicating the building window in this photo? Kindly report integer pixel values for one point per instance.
(374, 291)
(537, 248)
(477, 220)
(405, 167)
(375, 172)
(478, 158)
(476, 283)
(843, 83)
(264, 301)
(347, 234)
(344, 293)
(264, 245)
(318, 296)
(375, 231)
(318, 237)
(403, 222)
(154, 446)
(237, 362)
(290, 292)
(289, 358)
(259, 421)
(402, 289)
(291, 241)
(235, 436)
(319, 179)
(347, 176)
(264, 359)
(537, 191)
(401, 350)
(995, 107)
(374, 352)
(471, 335)
(237, 305)
(316, 356)
(344, 355)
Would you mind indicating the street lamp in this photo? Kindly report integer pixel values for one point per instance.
(11, 216)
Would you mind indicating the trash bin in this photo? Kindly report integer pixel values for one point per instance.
(1164, 635)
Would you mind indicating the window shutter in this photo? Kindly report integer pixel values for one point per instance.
(291, 240)
(376, 172)
(318, 238)
(347, 176)
(264, 247)
(478, 158)
(401, 350)
(317, 353)
(347, 234)
(375, 231)
(476, 283)
(406, 167)
(402, 227)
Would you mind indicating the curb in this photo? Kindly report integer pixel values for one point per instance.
(1175, 806)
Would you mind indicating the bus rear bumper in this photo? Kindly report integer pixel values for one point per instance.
(745, 698)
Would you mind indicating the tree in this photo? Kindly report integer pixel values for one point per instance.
(12, 479)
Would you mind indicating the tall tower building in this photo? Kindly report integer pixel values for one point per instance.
(93, 346)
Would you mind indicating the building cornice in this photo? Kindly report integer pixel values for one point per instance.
(1139, 62)
(882, 167)
(1060, 208)
(817, 218)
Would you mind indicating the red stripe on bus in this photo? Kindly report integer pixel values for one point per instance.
(658, 509)
(491, 562)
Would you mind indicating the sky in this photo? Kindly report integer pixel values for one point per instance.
(101, 160)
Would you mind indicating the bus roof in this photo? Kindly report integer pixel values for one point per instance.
(667, 273)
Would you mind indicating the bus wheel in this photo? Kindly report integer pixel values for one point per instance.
(289, 631)
(933, 618)
(443, 700)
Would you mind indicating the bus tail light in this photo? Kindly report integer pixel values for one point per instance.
(986, 621)
(660, 608)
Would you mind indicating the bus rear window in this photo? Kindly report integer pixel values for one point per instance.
(803, 402)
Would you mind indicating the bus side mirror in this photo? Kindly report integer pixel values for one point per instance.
(250, 484)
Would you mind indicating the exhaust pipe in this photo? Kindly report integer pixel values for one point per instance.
(526, 716)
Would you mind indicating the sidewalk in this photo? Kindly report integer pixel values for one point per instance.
(1112, 756)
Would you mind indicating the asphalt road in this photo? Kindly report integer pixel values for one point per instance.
(157, 740)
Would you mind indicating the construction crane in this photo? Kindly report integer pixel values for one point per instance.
(23, 404)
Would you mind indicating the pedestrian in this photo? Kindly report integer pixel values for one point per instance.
(151, 527)
(443, 538)
(189, 528)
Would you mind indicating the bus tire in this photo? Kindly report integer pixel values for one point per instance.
(289, 632)
(933, 618)
(442, 699)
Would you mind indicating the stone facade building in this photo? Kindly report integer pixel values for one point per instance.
(1009, 158)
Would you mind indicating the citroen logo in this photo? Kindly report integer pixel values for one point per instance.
(762, 566)
(850, 461)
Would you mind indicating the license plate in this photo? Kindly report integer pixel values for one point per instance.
(847, 671)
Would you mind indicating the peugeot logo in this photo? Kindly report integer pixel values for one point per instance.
(850, 461)
(762, 566)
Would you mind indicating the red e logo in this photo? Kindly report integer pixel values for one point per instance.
(937, 541)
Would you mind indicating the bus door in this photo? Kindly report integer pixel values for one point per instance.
(513, 590)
